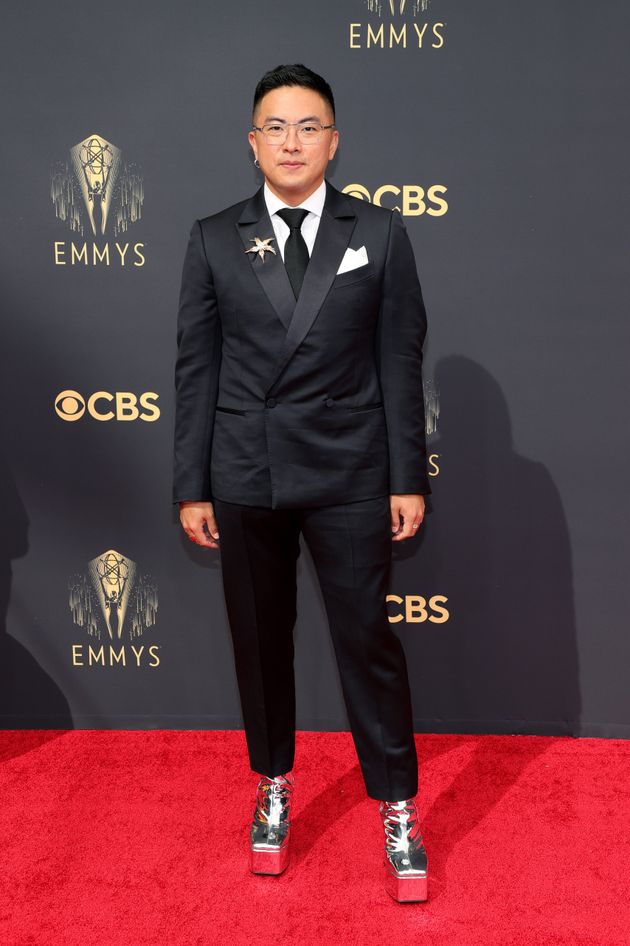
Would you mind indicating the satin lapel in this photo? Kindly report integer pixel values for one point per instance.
(333, 236)
(271, 273)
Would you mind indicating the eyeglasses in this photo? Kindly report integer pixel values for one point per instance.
(276, 132)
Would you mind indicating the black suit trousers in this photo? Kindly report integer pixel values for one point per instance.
(351, 548)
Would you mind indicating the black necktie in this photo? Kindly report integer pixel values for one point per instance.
(295, 249)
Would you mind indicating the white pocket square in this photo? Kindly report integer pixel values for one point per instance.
(352, 259)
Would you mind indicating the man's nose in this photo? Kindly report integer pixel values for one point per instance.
(292, 141)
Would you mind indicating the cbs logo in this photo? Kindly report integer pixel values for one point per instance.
(417, 609)
(415, 200)
(71, 406)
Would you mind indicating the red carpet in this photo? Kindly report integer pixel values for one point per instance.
(116, 837)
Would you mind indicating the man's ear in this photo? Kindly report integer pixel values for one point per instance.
(334, 144)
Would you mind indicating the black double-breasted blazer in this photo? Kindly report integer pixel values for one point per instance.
(291, 404)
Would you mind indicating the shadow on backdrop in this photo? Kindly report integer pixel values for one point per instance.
(497, 544)
(28, 695)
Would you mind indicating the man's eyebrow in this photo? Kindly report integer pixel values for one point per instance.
(275, 118)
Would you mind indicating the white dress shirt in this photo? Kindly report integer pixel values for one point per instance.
(314, 204)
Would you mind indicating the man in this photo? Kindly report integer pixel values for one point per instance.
(300, 411)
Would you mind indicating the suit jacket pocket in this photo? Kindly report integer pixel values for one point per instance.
(366, 407)
(229, 410)
(354, 275)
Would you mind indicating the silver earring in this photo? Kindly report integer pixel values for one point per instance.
(256, 164)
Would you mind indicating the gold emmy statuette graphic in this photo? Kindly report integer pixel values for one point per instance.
(96, 183)
(112, 576)
(97, 166)
(110, 589)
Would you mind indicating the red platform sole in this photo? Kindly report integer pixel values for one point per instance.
(404, 888)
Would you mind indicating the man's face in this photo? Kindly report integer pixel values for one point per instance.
(293, 168)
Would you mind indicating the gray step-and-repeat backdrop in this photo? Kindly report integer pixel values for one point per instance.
(495, 128)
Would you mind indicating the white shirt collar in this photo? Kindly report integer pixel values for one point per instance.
(314, 203)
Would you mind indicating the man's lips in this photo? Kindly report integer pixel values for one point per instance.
(291, 164)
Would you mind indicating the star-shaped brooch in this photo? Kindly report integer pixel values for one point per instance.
(261, 247)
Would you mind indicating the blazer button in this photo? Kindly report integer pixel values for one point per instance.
(270, 402)
(329, 402)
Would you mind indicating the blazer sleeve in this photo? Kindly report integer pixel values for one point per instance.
(401, 331)
(197, 367)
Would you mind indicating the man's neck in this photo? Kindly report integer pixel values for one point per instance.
(291, 197)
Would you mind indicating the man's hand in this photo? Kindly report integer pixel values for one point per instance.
(193, 517)
(411, 507)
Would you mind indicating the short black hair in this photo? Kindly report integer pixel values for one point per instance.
(296, 74)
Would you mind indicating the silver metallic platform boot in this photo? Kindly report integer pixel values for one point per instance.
(405, 856)
(271, 825)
